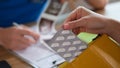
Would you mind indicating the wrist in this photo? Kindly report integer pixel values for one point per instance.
(114, 30)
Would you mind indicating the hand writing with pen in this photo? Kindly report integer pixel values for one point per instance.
(13, 37)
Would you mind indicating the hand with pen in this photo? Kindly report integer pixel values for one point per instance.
(13, 38)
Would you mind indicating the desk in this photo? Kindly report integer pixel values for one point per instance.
(111, 10)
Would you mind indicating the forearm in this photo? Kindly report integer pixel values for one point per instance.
(98, 4)
(114, 30)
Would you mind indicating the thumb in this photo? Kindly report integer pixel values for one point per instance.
(76, 23)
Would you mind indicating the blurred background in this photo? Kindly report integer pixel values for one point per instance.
(111, 1)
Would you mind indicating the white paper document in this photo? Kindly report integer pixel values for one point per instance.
(39, 55)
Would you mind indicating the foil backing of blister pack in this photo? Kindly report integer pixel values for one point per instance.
(67, 44)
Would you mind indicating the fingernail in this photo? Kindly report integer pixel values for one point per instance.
(32, 41)
(66, 26)
(37, 38)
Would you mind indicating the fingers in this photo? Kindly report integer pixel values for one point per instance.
(74, 15)
(27, 41)
(76, 31)
(19, 46)
(28, 32)
(18, 43)
(76, 23)
(25, 38)
(78, 13)
(78, 18)
(16, 38)
(21, 43)
(24, 43)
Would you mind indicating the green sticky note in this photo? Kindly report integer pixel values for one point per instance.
(87, 37)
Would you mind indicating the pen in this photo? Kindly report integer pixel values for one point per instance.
(26, 36)
(17, 25)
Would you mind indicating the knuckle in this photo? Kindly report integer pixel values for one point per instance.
(28, 43)
(11, 47)
(13, 38)
(80, 8)
(14, 31)
(12, 43)
(27, 31)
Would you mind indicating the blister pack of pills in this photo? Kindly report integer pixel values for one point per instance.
(67, 44)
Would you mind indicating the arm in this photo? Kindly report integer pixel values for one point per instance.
(114, 30)
(84, 20)
(98, 4)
